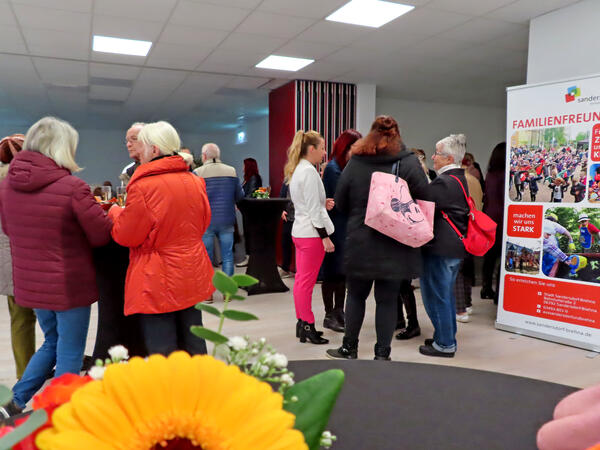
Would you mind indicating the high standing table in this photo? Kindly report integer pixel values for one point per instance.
(261, 217)
(111, 262)
(400, 405)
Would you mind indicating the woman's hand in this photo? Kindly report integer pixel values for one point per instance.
(329, 247)
(284, 216)
(329, 204)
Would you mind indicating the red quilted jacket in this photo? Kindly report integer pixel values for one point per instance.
(52, 221)
(166, 214)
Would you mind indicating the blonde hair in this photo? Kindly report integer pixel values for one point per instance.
(162, 135)
(55, 139)
(297, 151)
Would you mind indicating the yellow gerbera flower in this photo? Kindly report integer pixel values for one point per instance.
(160, 400)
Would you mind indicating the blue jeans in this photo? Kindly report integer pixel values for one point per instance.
(437, 287)
(225, 235)
(65, 333)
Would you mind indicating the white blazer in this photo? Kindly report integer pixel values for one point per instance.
(308, 196)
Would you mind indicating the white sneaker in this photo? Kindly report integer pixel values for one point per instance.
(284, 274)
(244, 263)
(464, 318)
(469, 310)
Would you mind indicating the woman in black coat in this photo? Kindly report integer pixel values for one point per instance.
(332, 272)
(369, 256)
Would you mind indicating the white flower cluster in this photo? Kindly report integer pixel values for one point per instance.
(117, 353)
(327, 439)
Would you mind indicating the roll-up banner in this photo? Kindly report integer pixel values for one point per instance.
(550, 265)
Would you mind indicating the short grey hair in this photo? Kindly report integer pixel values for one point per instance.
(55, 139)
(454, 145)
(211, 151)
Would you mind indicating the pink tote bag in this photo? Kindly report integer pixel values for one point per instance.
(392, 211)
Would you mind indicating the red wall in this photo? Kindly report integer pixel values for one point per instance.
(282, 127)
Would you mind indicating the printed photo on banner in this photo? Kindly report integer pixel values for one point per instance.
(571, 244)
(594, 184)
(522, 256)
(549, 165)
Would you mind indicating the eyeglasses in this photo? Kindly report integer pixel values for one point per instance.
(132, 140)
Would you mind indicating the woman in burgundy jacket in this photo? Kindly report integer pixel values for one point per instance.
(52, 222)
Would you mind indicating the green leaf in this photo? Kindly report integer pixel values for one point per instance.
(209, 309)
(223, 283)
(238, 315)
(6, 395)
(237, 297)
(316, 399)
(209, 335)
(244, 280)
(35, 420)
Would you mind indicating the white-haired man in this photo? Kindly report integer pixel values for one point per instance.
(134, 149)
(224, 190)
(443, 255)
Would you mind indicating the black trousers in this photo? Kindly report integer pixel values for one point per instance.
(406, 298)
(489, 263)
(287, 245)
(164, 333)
(386, 299)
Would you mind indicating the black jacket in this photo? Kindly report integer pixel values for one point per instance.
(448, 197)
(252, 185)
(368, 254)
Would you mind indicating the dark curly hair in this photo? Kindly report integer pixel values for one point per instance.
(384, 138)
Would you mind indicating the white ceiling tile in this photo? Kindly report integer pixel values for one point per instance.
(120, 72)
(177, 56)
(206, 81)
(147, 10)
(65, 98)
(251, 43)
(334, 33)
(6, 15)
(322, 70)
(398, 36)
(515, 41)
(431, 21)
(115, 93)
(61, 72)
(183, 35)
(247, 82)
(67, 5)
(317, 9)
(11, 40)
(248, 4)
(59, 44)
(493, 56)
(161, 79)
(17, 68)
(261, 22)
(118, 59)
(523, 11)
(229, 61)
(436, 47)
(204, 15)
(310, 50)
(52, 19)
(471, 7)
(275, 83)
(126, 28)
(480, 30)
(353, 57)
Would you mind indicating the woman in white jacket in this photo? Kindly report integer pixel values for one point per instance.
(312, 226)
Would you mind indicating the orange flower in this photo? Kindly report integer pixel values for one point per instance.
(59, 391)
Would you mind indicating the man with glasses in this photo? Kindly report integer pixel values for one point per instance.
(133, 148)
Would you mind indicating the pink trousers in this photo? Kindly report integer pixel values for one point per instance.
(309, 256)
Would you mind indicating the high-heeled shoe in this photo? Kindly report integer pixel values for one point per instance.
(299, 325)
(308, 332)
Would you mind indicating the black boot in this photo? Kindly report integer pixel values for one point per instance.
(299, 325)
(487, 293)
(307, 331)
(409, 333)
(348, 350)
(382, 353)
(331, 321)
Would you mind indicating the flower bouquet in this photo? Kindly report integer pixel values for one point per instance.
(262, 192)
(246, 399)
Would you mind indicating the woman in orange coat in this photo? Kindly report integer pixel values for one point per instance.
(165, 216)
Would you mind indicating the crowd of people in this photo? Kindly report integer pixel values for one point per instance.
(175, 211)
(560, 172)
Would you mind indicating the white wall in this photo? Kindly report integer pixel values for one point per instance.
(103, 155)
(365, 106)
(564, 43)
(422, 124)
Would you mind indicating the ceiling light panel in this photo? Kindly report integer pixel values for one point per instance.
(284, 63)
(106, 44)
(369, 13)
